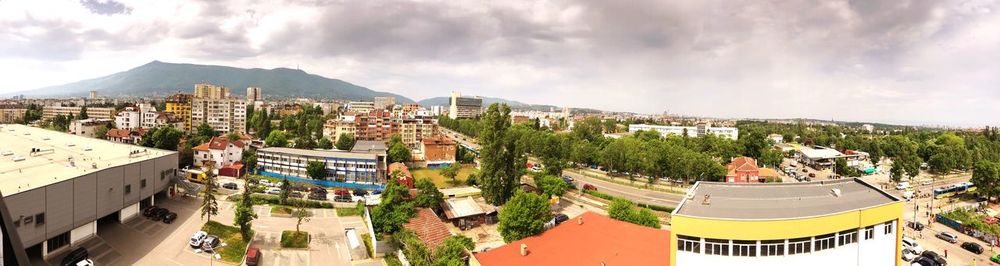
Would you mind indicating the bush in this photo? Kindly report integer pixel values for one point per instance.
(259, 199)
(292, 239)
(368, 245)
(612, 198)
(278, 209)
(392, 260)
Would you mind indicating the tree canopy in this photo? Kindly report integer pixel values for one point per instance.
(524, 215)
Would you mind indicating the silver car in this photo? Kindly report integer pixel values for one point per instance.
(210, 243)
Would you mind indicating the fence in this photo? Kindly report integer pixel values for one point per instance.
(968, 230)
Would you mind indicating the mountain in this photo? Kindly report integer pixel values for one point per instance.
(159, 79)
(444, 101)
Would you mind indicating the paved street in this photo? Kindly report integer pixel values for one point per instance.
(631, 193)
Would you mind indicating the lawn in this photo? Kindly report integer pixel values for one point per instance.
(292, 239)
(439, 180)
(235, 247)
(281, 210)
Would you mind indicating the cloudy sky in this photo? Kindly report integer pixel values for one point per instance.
(899, 61)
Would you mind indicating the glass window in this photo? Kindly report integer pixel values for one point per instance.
(687, 243)
(142, 183)
(744, 248)
(772, 248)
(824, 242)
(717, 247)
(799, 245)
(869, 232)
(128, 189)
(847, 237)
(888, 227)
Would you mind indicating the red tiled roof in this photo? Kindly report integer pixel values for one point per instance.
(742, 164)
(429, 228)
(439, 140)
(599, 239)
(217, 143)
(117, 133)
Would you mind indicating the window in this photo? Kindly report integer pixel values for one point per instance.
(744, 248)
(39, 219)
(869, 232)
(847, 237)
(716, 247)
(824, 242)
(772, 248)
(142, 183)
(128, 189)
(162, 175)
(687, 243)
(888, 227)
(799, 245)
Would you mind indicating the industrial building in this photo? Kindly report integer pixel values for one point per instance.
(839, 222)
(56, 188)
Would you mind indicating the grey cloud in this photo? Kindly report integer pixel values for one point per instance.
(106, 7)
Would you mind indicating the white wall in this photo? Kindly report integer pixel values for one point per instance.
(128, 212)
(83, 232)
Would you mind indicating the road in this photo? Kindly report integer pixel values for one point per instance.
(630, 193)
(458, 137)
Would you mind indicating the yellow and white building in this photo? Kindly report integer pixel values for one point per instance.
(837, 222)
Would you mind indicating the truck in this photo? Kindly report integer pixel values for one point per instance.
(196, 176)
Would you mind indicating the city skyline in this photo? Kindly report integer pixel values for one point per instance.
(919, 62)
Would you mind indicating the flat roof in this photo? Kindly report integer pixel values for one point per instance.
(820, 152)
(598, 240)
(321, 153)
(53, 164)
(779, 201)
(462, 207)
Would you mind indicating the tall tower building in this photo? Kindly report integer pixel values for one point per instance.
(93, 95)
(210, 91)
(253, 94)
(464, 107)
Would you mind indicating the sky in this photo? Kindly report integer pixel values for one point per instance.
(934, 62)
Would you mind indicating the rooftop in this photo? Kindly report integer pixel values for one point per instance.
(461, 207)
(588, 243)
(62, 157)
(320, 153)
(820, 152)
(774, 201)
(428, 228)
(369, 146)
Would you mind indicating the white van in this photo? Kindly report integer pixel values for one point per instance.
(908, 194)
(902, 185)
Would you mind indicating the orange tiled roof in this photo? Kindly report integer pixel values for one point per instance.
(586, 244)
(429, 228)
(217, 143)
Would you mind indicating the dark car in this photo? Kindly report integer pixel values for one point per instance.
(915, 225)
(159, 214)
(973, 247)
(149, 211)
(253, 256)
(210, 243)
(74, 257)
(924, 261)
(230, 185)
(934, 257)
(169, 217)
(295, 194)
(812, 174)
(560, 218)
(317, 190)
(297, 187)
(359, 192)
(342, 198)
(317, 195)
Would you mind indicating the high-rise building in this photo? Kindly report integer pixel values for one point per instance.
(464, 107)
(223, 115)
(180, 105)
(11, 113)
(376, 126)
(361, 107)
(48, 112)
(253, 94)
(384, 102)
(93, 95)
(210, 91)
(149, 114)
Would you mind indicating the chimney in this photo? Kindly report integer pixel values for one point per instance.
(707, 200)
(524, 249)
(579, 220)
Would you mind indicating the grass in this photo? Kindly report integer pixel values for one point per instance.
(236, 246)
(282, 210)
(441, 181)
(262, 199)
(358, 210)
(638, 183)
(368, 245)
(643, 205)
(292, 239)
(392, 260)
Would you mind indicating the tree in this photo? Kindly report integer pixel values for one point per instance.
(209, 205)
(427, 194)
(986, 176)
(325, 143)
(316, 170)
(754, 141)
(771, 158)
(277, 138)
(101, 131)
(245, 214)
(624, 210)
(249, 159)
(590, 129)
(451, 172)
(453, 251)
(301, 214)
(398, 152)
(525, 214)
(83, 113)
(551, 185)
(205, 132)
(164, 137)
(285, 190)
(345, 142)
(393, 210)
(500, 160)
(471, 180)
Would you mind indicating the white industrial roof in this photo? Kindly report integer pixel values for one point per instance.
(63, 156)
(820, 152)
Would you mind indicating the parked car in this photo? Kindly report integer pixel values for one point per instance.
(230, 185)
(589, 187)
(560, 218)
(297, 187)
(295, 194)
(253, 256)
(995, 258)
(915, 225)
(197, 238)
(924, 261)
(342, 191)
(342, 198)
(909, 255)
(273, 191)
(169, 217)
(951, 238)
(973, 247)
(360, 192)
(317, 195)
(317, 190)
(912, 245)
(934, 257)
(158, 215)
(902, 185)
(210, 243)
(148, 211)
(265, 182)
(75, 256)
(813, 175)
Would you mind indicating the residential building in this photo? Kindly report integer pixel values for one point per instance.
(351, 169)
(438, 151)
(88, 127)
(129, 118)
(376, 125)
(218, 152)
(50, 111)
(93, 95)
(776, 138)
(126, 136)
(428, 228)
(405, 178)
(223, 115)
(85, 179)
(168, 119)
(210, 91)
(410, 108)
(468, 212)
(180, 105)
(384, 102)
(868, 128)
(253, 94)
(831, 222)
(333, 128)
(415, 128)
(700, 130)
(588, 239)
(361, 107)
(148, 115)
(11, 113)
(438, 110)
(464, 107)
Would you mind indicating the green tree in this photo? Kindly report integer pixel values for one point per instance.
(590, 129)
(209, 205)
(393, 210)
(164, 137)
(249, 159)
(205, 132)
(754, 142)
(301, 214)
(345, 142)
(277, 138)
(500, 160)
(316, 170)
(233, 136)
(551, 185)
(398, 152)
(83, 113)
(624, 210)
(427, 194)
(451, 172)
(771, 158)
(244, 213)
(986, 176)
(325, 143)
(285, 190)
(525, 214)
(101, 131)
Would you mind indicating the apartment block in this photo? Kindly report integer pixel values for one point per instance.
(48, 112)
(253, 94)
(180, 105)
(223, 115)
(11, 113)
(211, 91)
(464, 107)
(376, 125)
(384, 102)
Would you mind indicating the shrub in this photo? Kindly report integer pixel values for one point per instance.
(292, 239)
(259, 199)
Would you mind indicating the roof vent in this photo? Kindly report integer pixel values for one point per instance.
(707, 200)
(524, 249)
(836, 192)
(579, 220)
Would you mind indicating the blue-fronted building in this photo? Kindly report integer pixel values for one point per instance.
(344, 168)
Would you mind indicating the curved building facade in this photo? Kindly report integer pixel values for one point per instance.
(840, 222)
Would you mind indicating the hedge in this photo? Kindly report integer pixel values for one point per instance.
(259, 199)
(648, 206)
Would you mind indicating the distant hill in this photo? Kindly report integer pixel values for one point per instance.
(159, 79)
(443, 101)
